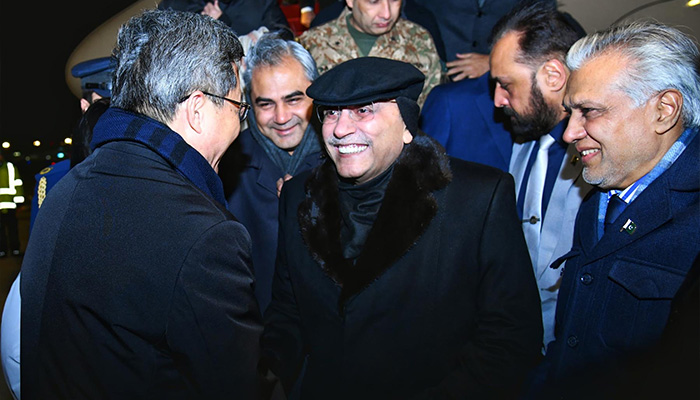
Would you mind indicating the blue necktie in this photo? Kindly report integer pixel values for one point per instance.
(615, 207)
(532, 206)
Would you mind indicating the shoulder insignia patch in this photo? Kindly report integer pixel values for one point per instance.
(41, 191)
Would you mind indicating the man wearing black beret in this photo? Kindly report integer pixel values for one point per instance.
(401, 272)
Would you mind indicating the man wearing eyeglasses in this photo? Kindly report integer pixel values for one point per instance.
(137, 281)
(279, 143)
(401, 272)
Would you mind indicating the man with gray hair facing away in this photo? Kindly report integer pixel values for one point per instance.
(634, 100)
(149, 293)
(279, 143)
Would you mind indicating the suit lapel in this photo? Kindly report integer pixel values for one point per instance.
(673, 190)
(587, 223)
(268, 171)
(567, 194)
(518, 163)
(648, 212)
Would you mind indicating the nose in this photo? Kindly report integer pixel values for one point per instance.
(345, 125)
(282, 114)
(384, 10)
(574, 129)
(500, 97)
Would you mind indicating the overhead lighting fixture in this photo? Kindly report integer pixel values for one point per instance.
(692, 3)
(643, 6)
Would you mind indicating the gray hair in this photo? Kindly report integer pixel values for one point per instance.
(164, 55)
(270, 51)
(660, 58)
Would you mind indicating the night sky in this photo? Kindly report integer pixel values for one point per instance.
(35, 101)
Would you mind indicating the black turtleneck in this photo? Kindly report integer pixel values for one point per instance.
(359, 206)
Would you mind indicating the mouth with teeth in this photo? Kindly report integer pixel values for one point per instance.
(351, 148)
(587, 154)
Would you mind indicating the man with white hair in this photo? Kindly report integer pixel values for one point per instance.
(634, 100)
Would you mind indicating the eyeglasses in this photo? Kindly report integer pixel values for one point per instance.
(361, 113)
(243, 107)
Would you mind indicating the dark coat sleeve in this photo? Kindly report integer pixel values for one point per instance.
(507, 341)
(282, 339)
(241, 17)
(274, 18)
(436, 118)
(214, 325)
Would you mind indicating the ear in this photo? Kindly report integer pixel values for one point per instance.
(407, 136)
(668, 110)
(554, 75)
(84, 105)
(349, 3)
(194, 111)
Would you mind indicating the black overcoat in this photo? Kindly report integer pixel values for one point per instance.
(441, 302)
(137, 285)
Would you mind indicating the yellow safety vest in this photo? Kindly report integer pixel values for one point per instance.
(11, 190)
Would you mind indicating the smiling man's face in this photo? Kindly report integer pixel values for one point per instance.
(362, 150)
(616, 138)
(282, 109)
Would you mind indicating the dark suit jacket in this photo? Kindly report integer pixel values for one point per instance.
(462, 117)
(616, 293)
(136, 285)
(252, 198)
(441, 301)
(243, 16)
(465, 26)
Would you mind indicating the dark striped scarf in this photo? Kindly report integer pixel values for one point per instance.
(118, 124)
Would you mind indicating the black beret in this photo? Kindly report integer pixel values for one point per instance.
(364, 80)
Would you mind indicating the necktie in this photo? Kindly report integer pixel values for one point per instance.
(532, 206)
(615, 207)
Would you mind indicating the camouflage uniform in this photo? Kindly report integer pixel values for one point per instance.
(331, 44)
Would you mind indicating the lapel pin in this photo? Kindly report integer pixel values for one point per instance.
(629, 227)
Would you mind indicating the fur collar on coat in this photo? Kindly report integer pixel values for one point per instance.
(408, 208)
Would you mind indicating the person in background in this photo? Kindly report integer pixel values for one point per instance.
(401, 273)
(527, 64)
(11, 195)
(95, 79)
(634, 100)
(95, 84)
(249, 19)
(137, 281)
(279, 143)
(374, 28)
(243, 16)
(464, 28)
